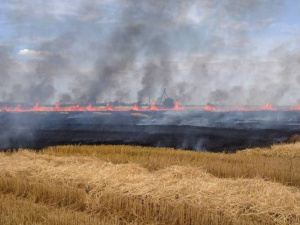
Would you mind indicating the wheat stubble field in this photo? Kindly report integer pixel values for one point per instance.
(142, 185)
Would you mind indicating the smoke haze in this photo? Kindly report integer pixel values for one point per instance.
(220, 51)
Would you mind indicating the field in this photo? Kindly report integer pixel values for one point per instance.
(197, 130)
(108, 184)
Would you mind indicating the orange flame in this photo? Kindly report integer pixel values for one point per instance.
(38, 108)
(56, 108)
(208, 107)
(109, 107)
(177, 107)
(295, 108)
(90, 108)
(268, 107)
(135, 107)
(153, 107)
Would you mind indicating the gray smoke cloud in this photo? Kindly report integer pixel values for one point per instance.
(37, 84)
(6, 64)
(128, 50)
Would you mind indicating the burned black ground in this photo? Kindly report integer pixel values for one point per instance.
(211, 131)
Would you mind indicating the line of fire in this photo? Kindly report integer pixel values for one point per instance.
(166, 104)
(153, 107)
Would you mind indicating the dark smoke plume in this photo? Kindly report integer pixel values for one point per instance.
(128, 50)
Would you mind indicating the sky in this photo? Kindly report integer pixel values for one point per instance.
(229, 52)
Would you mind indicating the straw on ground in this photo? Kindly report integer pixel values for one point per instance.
(141, 185)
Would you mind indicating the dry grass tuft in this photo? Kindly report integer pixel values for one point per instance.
(140, 115)
(25, 212)
(294, 138)
(250, 163)
(139, 185)
(281, 150)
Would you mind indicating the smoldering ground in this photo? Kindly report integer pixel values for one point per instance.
(208, 131)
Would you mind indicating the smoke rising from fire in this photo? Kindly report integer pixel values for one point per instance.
(224, 52)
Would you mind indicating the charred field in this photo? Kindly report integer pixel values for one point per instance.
(193, 130)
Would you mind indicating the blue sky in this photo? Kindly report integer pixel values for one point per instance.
(234, 50)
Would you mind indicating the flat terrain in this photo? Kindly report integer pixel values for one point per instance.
(141, 185)
(197, 130)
